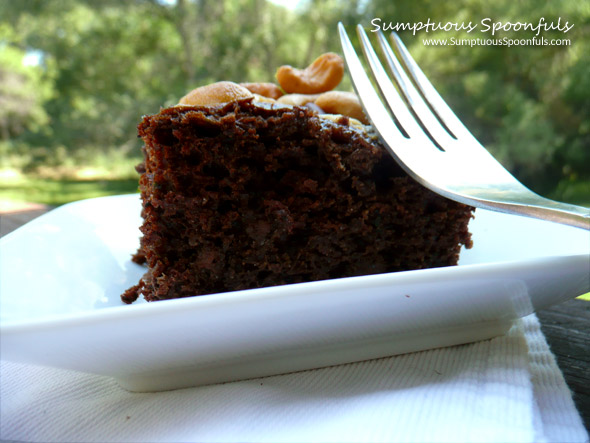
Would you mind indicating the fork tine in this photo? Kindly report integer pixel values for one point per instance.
(392, 97)
(414, 98)
(430, 94)
(406, 150)
(372, 104)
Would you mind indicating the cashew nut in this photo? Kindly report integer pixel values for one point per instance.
(324, 74)
(344, 103)
(215, 93)
(269, 90)
(298, 99)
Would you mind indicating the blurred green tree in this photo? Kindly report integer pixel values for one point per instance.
(22, 91)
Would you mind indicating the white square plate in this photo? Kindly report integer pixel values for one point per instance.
(62, 274)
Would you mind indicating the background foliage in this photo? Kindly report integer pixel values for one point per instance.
(77, 75)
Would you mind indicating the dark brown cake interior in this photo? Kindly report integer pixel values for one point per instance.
(247, 195)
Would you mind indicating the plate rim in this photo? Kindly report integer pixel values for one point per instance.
(298, 289)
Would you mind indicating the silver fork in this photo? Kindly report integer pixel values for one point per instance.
(445, 158)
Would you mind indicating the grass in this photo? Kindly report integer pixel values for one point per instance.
(56, 192)
(94, 174)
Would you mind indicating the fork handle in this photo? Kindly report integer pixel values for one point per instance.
(550, 210)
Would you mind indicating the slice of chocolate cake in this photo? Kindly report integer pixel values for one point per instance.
(251, 192)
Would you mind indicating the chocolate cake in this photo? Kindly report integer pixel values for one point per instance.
(251, 193)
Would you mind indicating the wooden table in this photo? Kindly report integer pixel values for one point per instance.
(566, 326)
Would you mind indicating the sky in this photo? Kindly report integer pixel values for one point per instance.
(289, 4)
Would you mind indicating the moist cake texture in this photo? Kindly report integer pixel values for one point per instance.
(249, 194)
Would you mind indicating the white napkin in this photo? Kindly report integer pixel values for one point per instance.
(505, 389)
